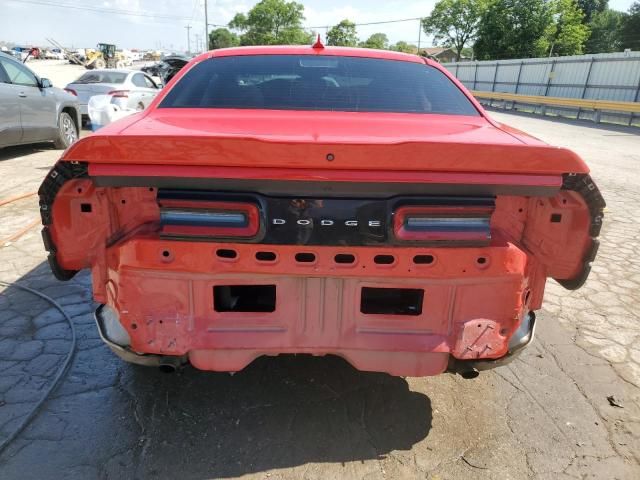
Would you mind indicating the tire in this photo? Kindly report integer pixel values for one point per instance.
(67, 131)
(99, 64)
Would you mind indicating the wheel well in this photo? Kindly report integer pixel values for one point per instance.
(74, 116)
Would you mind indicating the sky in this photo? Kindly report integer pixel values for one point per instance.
(160, 24)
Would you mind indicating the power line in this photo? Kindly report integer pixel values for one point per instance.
(115, 11)
(374, 23)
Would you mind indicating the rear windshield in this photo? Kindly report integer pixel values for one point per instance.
(304, 82)
(102, 77)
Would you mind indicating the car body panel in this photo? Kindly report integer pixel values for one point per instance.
(329, 254)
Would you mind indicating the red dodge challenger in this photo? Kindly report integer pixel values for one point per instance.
(319, 200)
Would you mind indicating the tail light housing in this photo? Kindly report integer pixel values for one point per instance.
(71, 91)
(209, 219)
(119, 93)
(461, 224)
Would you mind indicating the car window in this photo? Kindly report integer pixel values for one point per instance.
(4, 78)
(19, 74)
(319, 82)
(102, 77)
(149, 83)
(138, 80)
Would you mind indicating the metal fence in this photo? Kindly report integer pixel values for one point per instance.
(604, 76)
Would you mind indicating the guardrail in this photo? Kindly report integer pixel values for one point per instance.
(579, 104)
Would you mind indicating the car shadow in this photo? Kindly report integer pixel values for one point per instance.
(110, 419)
(8, 153)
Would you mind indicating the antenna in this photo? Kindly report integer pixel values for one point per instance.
(318, 45)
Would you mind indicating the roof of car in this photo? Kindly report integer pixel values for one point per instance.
(114, 70)
(309, 50)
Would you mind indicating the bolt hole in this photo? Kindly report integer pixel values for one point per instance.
(305, 257)
(520, 210)
(166, 253)
(503, 331)
(134, 326)
(344, 258)
(226, 253)
(384, 259)
(123, 201)
(481, 260)
(556, 218)
(423, 259)
(151, 189)
(79, 190)
(85, 207)
(265, 256)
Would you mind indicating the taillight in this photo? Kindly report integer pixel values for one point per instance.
(443, 223)
(195, 218)
(119, 93)
(71, 91)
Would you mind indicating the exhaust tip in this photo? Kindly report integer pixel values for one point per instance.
(167, 368)
(469, 374)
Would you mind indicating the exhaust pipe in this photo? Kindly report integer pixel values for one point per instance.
(169, 364)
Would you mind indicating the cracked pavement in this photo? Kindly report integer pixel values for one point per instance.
(546, 415)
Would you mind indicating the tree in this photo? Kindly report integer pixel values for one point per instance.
(404, 47)
(272, 22)
(592, 7)
(606, 32)
(566, 34)
(222, 38)
(630, 32)
(343, 34)
(454, 23)
(377, 40)
(512, 29)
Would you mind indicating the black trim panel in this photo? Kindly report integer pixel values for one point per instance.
(324, 189)
(585, 186)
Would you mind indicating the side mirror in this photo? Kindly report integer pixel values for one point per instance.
(45, 83)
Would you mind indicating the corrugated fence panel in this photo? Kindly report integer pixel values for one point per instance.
(604, 76)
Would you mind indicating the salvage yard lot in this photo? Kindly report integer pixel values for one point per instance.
(569, 407)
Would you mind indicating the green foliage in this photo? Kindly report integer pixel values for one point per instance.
(630, 32)
(512, 29)
(222, 38)
(565, 34)
(343, 34)
(404, 47)
(454, 23)
(592, 7)
(272, 22)
(606, 32)
(377, 40)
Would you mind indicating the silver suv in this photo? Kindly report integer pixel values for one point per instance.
(32, 110)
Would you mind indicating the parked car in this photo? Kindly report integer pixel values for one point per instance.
(130, 89)
(54, 54)
(166, 68)
(333, 200)
(32, 110)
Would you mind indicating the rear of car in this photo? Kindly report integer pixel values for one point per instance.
(324, 201)
(128, 89)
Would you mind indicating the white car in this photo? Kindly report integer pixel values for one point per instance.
(129, 89)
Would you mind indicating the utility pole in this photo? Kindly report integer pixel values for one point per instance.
(188, 27)
(206, 27)
(419, 34)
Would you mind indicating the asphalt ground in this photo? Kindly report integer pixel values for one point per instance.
(569, 407)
